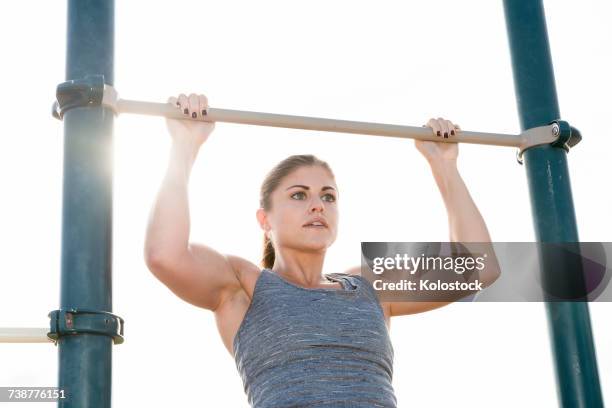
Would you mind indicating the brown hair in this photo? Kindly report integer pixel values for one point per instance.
(272, 181)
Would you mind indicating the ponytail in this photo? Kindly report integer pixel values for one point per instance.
(268, 253)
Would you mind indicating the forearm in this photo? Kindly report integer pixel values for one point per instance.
(465, 221)
(168, 225)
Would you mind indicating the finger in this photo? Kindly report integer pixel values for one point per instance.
(194, 105)
(437, 127)
(433, 124)
(172, 101)
(203, 105)
(183, 104)
(451, 128)
(444, 127)
(454, 129)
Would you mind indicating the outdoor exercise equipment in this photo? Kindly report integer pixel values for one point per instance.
(84, 327)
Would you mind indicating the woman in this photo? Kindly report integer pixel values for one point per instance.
(299, 338)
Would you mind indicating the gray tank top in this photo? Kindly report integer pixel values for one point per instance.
(300, 347)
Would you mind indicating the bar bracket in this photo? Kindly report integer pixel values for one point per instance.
(76, 93)
(563, 135)
(68, 322)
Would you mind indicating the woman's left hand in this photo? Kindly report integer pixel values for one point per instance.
(435, 151)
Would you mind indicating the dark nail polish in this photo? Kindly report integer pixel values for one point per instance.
(446, 134)
(178, 103)
(186, 111)
(452, 132)
(438, 133)
(194, 115)
(204, 113)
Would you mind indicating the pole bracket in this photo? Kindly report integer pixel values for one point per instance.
(76, 93)
(565, 136)
(68, 322)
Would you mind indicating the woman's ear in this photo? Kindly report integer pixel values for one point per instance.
(262, 219)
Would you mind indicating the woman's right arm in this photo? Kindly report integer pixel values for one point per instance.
(196, 273)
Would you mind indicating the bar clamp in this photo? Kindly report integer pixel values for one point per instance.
(563, 135)
(68, 322)
(88, 91)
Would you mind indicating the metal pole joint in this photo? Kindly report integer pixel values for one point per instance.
(76, 93)
(563, 136)
(68, 322)
(568, 136)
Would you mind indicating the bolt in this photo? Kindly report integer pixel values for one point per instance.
(555, 130)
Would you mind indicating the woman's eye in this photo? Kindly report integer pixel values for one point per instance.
(331, 196)
(326, 197)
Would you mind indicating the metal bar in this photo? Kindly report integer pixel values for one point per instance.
(86, 254)
(24, 335)
(551, 199)
(321, 124)
(313, 123)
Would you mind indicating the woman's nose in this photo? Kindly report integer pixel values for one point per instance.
(316, 204)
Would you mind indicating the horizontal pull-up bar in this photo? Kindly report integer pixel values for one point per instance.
(92, 91)
(322, 124)
(24, 335)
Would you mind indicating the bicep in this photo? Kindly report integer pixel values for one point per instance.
(200, 275)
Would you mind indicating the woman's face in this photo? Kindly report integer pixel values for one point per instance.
(303, 195)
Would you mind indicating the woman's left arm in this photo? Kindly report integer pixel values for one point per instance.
(465, 222)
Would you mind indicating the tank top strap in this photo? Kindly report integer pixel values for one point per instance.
(346, 280)
(369, 291)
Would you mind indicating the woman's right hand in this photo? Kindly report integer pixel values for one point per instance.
(190, 133)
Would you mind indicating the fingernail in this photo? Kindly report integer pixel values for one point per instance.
(186, 111)
(204, 113)
(452, 132)
(446, 134)
(178, 103)
(194, 115)
(438, 133)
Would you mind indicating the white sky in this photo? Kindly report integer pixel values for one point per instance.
(393, 62)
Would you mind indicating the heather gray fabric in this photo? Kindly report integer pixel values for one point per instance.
(299, 347)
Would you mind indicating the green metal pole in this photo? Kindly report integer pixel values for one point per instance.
(551, 199)
(84, 358)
